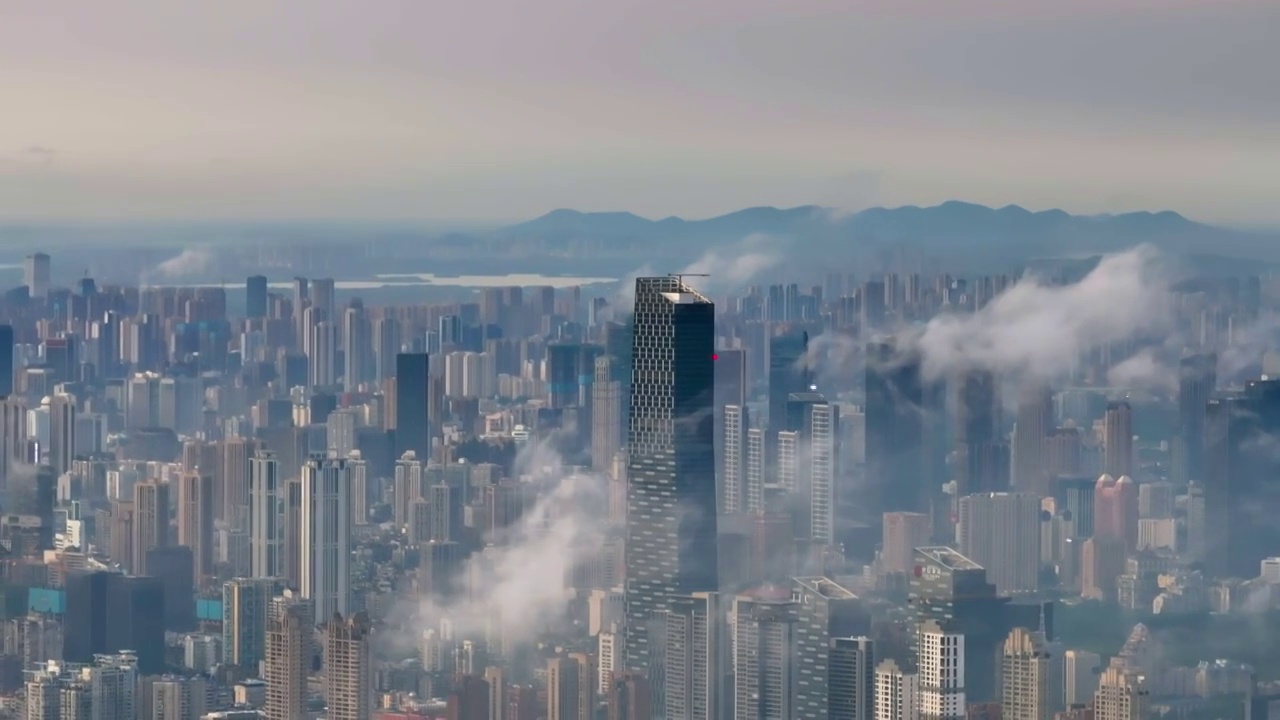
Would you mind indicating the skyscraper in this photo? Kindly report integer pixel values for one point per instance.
(356, 347)
(789, 372)
(1197, 378)
(903, 532)
(825, 610)
(1121, 695)
(895, 397)
(195, 519)
(413, 430)
(941, 658)
(62, 431)
(897, 693)
(6, 360)
(1026, 683)
(606, 413)
(764, 654)
(851, 679)
(245, 610)
(150, 521)
(266, 516)
(325, 539)
(733, 464)
(288, 657)
(563, 691)
(1118, 439)
(35, 273)
(322, 354)
(1001, 532)
(1034, 422)
(255, 296)
(694, 658)
(348, 668)
(671, 493)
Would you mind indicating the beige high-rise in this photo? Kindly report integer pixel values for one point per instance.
(1121, 695)
(1026, 675)
(903, 533)
(150, 521)
(288, 657)
(348, 671)
(195, 519)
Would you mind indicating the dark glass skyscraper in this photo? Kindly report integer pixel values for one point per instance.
(109, 612)
(895, 405)
(413, 430)
(671, 493)
(255, 296)
(1197, 376)
(1241, 466)
(6, 360)
(787, 374)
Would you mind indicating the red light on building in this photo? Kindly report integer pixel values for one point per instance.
(715, 356)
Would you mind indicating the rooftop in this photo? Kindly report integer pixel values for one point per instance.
(949, 558)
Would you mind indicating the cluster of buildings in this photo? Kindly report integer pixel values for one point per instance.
(290, 503)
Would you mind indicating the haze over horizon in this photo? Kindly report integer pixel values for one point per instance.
(501, 110)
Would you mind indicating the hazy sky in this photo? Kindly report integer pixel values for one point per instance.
(508, 108)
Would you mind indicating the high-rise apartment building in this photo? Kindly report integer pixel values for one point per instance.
(288, 657)
(348, 668)
(694, 660)
(941, 671)
(325, 536)
(563, 689)
(606, 413)
(1026, 680)
(245, 608)
(897, 693)
(733, 463)
(671, 492)
(356, 347)
(1080, 671)
(178, 698)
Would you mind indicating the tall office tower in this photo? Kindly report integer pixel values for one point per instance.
(358, 469)
(606, 414)
(108, 611)
(895, 397)
(6, 360)
(941, 660)
(822, 443)
(562, 374)
(852, 679)
(1115, 509)
(1080, 671)
(62, 431)
(1239, 507)
(897, 693)
(288, 657)
(150, 521)
(1197, 378)
(178, 698)
(255, 296)
(977, 407)
(1121, 695)
(903, 532)
(322, 355)
(446, 512)
(195, 519)
(408, 487)
(35, 274)
(789, 372)
(470, 698)
(245, 604)
(356, 347)
(1026, 683)
(1001, 532)
(84, 631)
(497, 693)
(386, 345)
(174, 566)
(349, 668)
(953, 591)
(754, 470)
(322, 297)
(266, 516)
(764, 654)
(825, 610)
(733, 464)
(671, 492)
(694, 658)
(46, 499)
(413, 431)
(1118, 439)
(563, 691)
(325, 539)
(1076, 494)
(1034, 422)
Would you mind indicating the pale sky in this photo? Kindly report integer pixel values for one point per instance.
(504, 109)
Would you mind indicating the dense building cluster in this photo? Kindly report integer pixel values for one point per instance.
(534, 503)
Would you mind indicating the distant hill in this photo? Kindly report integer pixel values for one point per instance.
(957, 233)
